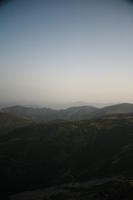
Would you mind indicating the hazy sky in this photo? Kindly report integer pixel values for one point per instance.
(66, 51)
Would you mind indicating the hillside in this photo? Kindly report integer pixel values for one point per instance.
(100, 189)
(77, 113)
(43, 155)
(36, 114)
(9, 122)
(69, 114)
(47, 114)
(114, 109)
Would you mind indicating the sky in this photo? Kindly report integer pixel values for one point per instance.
(59, 51)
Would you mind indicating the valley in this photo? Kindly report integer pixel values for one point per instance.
(36, 155)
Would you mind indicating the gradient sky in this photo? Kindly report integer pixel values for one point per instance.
(66, 51)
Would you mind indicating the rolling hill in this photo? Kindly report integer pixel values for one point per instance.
(42, 155)
(47, 114)
(70, 114)
(9, 122)
(114, 109)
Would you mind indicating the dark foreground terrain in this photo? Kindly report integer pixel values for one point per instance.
(103, 189)
(90, 159)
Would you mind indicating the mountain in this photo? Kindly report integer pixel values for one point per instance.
(69, 114)
(47, 114)
(49, 154)
(77, 113)
(36, 114)
(9, 122)
(114, 109)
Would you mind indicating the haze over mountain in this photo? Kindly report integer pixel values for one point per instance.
(47, 114)
(115, 109)
(66, 71)
(70, 114)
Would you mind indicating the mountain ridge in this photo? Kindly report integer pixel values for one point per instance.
(48, 114)
(72, 113)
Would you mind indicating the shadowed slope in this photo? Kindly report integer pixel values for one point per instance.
(9, 122)
(49, 154)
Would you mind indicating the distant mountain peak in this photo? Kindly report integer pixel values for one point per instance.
(115, 109)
